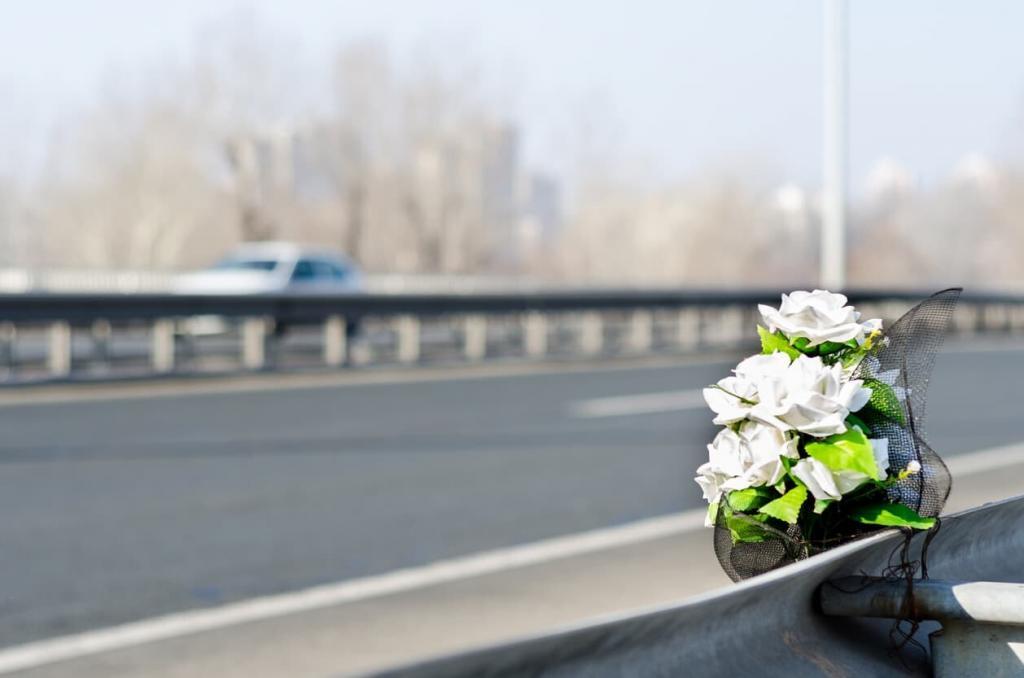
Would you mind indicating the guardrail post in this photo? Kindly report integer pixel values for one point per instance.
(475, 337)
(8, 337)
(965, 318)
(162, 346)
(535, 334)
(335, 341)
(995, 317)
(1016, 318)
(732, 325)
(101, 332)
(408, 327)
(982, 622)
(58, 359)
(254, 343)
(688, 328)
(641, 331)
(591, 333)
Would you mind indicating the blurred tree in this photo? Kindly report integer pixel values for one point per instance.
(128, 186)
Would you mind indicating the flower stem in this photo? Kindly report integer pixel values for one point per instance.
(743, 400)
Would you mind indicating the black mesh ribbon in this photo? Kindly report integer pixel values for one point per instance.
(902, 361)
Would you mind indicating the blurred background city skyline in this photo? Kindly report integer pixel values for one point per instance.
(538, 141)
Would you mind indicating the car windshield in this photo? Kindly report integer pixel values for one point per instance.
(246, 265)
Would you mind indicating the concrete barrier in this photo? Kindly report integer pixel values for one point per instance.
(769, 625)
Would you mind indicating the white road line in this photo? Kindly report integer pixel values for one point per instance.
(31, 655)
(985, 460)
(641, 403)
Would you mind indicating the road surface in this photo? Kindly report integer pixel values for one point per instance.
(122, 503)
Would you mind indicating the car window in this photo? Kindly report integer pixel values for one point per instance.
(325, 270)
(304, 271)
(246, 265)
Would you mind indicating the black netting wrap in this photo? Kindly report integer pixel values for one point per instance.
(902, 361)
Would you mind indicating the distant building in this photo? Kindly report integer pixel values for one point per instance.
(976, 171)
(500, 183)
(542, 204)
(887, 179)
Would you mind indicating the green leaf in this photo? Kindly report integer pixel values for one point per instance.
(749, 529)
(801, 344)
(787, 464)
(821, 504)
(853, 357)
(884, 401)
(787, 507)
(749, 499)
(891, 515)
(850, 451)
(830, 347)
(853, 421)
(775, 341)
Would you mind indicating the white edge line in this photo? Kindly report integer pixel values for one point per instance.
(985, 460)
(62, 648)
(640, 403)
(39, 653)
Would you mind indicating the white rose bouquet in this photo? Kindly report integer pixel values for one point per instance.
(821, 439)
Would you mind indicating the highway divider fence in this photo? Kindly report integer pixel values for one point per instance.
(70, 335)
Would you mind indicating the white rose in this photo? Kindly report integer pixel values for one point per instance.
(759, 367)
(749, 458)
(818, 478)
(766, 445)
(733, 397)
(730, 400)
(710, 481)
(728, 454)
(824, 483)
(810, 397)
(819, 316)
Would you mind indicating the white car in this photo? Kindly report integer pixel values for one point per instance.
(270, 268)
(275, 267)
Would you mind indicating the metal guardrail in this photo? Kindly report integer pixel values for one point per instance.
(74, 330)
(769, 625)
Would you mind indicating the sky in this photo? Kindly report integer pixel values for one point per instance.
(682, 87)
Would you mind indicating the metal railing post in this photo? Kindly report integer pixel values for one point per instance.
(1017, 318)
(535, 334)
(982, 622)
(162, 346)
(591, 333)
(475, 337)
(335, 341)
(254, 343)
(8, 338)
(58, 359)
(688, 328)
(101, 332)
(641, 331)
(408, 328)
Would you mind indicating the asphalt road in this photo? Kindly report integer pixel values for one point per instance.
(120, 509)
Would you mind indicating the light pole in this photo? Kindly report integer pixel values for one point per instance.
(833, 225)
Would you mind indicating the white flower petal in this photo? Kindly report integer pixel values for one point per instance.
(880, 447)
(818, 479)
